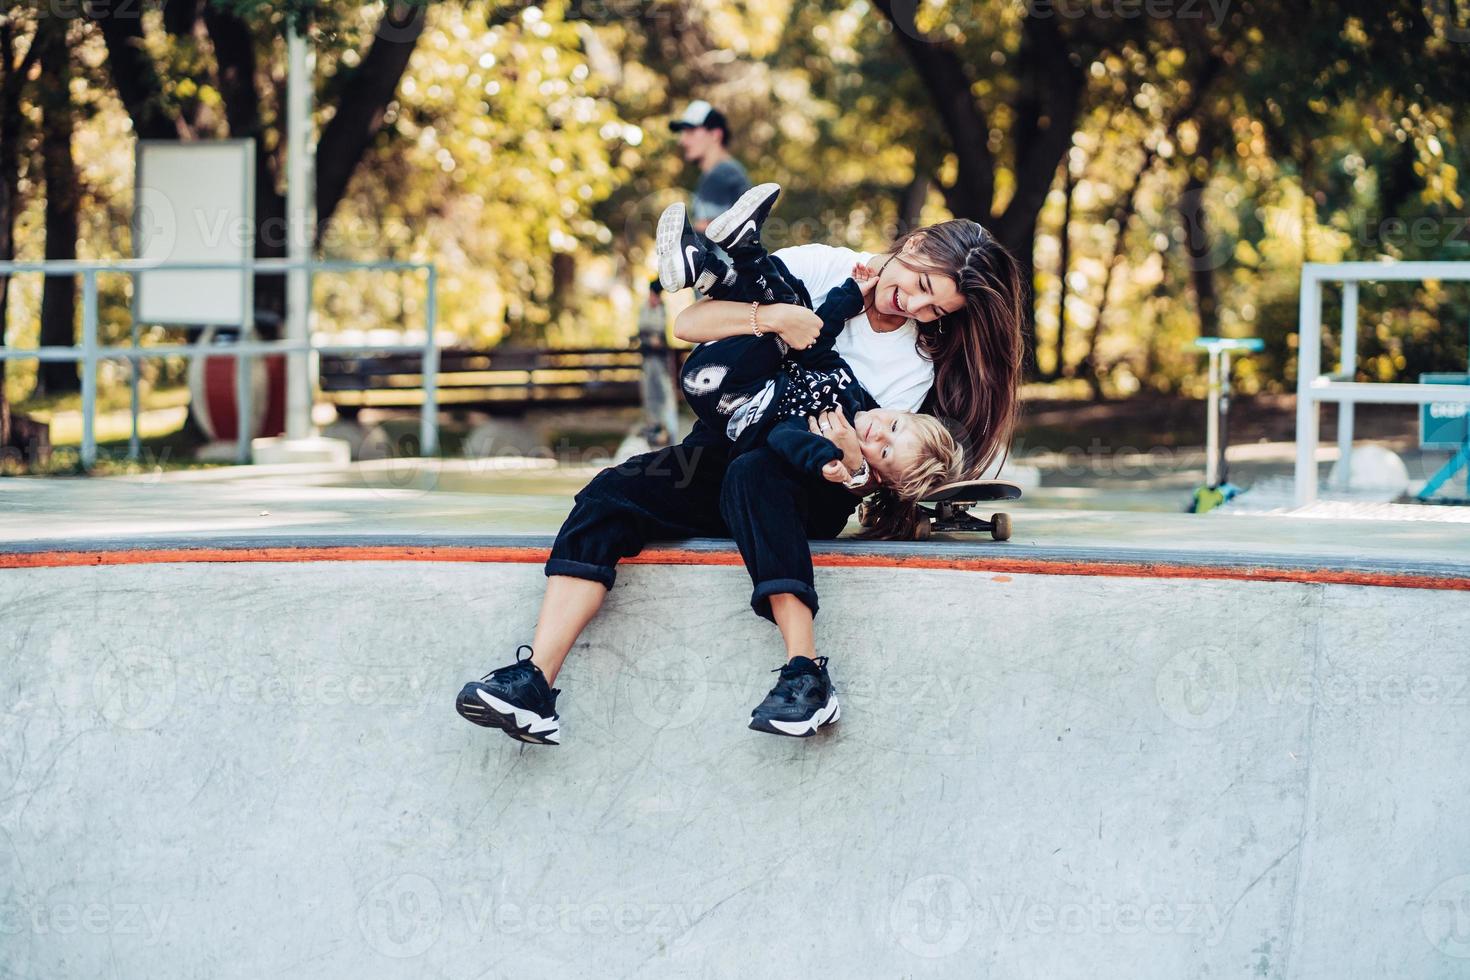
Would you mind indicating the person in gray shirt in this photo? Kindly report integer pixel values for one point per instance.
(704, 136)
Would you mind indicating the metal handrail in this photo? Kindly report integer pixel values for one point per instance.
(1314, 387)
(89, 354)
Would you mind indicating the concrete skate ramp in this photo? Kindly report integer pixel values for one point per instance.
(224, 760)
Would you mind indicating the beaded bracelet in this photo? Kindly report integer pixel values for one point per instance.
(755, 327)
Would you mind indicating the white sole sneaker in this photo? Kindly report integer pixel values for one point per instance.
(672, 269)
(826, 715)
(521, 724)
(728, 227)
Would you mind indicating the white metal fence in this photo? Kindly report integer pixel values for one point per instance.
(1313, 387)
(89, 353)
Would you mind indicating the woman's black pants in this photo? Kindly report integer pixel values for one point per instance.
(695, 490)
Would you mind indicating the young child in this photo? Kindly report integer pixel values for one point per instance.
(759, 393)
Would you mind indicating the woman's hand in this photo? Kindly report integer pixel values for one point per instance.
(798, 326)
(835, 427)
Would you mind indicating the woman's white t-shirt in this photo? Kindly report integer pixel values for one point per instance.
(890, 364)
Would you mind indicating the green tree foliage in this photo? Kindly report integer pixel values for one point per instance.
(1211, 148)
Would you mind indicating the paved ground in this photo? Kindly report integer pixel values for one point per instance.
(245, 769)
(287, 503)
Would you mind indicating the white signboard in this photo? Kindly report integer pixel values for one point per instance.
(193, 202)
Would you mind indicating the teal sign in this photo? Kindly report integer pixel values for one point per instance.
(1444, 425)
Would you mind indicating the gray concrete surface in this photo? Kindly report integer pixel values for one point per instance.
(255, 770)
(287, 505)
(222, 769)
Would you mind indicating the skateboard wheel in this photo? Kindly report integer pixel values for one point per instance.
(923, 531)
(1000, 527)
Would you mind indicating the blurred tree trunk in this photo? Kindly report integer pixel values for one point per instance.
(12, 126)
(911, 202)
(1126, 208)
(235, 69)
(1090, 368)
(59, 293)
(1198, 249)
(359, 96)
(1052, 84)
(132, 71)
(1198, 240)
(1064, 263)
(365, 91)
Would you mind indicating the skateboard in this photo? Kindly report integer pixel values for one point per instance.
(948, 508)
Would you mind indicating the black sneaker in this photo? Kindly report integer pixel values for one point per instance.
(802, 701)
(740, 226)
(681, 252)
(515, 699)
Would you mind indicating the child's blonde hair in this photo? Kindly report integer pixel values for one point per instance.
(893, 512)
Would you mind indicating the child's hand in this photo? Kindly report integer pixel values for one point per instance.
(835, 472)
(865, 286)
(862, 273)
(834, 427)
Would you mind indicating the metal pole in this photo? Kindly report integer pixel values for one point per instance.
(1212, 423)
(1223, 474)
(1308, 366)
(244, 375)
(429, 419)
(1346, 367)
(89, 369)
(301, 225)
(134, 446)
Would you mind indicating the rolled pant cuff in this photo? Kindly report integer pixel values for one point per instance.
(760, 600)
(581, 569)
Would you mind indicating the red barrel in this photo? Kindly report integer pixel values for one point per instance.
(212, 388)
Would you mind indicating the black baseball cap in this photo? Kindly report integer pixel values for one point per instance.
(700, 114)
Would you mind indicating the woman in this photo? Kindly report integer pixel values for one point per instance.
(941, 334)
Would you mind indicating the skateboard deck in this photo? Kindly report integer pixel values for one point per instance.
(974, 492)
(948, 508)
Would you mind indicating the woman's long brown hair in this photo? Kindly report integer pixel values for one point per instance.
(977, 351)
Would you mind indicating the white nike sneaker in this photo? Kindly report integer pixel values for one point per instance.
(680, 251)
(740, 226)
